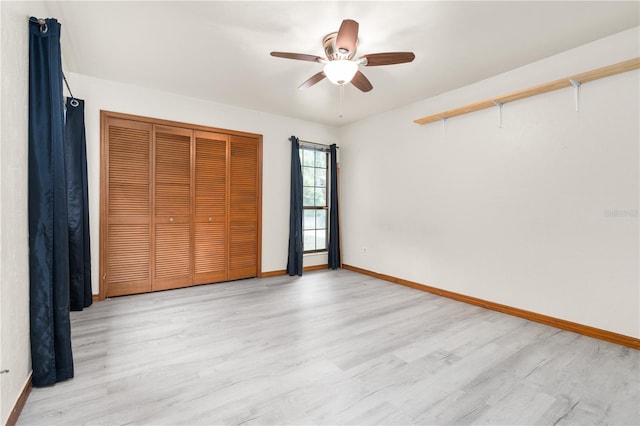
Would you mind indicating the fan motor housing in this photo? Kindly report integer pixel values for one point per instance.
(332, 52)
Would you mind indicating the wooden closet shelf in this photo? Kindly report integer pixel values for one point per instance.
(584, 77)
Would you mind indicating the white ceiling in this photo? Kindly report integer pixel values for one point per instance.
(219, 51)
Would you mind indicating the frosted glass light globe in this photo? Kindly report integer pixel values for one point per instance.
(340, 71)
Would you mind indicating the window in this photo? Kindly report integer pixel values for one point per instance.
(314, 198)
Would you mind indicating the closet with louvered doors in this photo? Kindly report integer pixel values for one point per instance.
(180, 205)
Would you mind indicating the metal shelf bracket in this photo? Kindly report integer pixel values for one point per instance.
(576, 89)
(499, 105)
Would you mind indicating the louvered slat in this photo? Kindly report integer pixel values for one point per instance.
(211, 175)
(243, 177)
(129, 249)
(172, 250)
(210, 238)
(172, 174)
(128, 171)
(242, 254)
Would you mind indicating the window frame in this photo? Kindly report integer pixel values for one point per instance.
(314, 208)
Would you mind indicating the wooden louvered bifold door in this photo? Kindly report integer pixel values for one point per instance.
(210, 207)
(243, 207)
(172, 267)
(127, 268)
(180, 205)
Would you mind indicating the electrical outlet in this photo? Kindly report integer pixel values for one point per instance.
(364, 251)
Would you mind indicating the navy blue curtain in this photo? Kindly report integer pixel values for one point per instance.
(334, 224)
(294, 261)
(75, 149)
(51, 356)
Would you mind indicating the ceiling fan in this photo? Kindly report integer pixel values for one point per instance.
(340, 66)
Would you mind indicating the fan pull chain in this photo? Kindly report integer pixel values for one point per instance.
(341, 100)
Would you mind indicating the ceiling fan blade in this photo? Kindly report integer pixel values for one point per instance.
(389, 58)
(361, 82)
(347, 38)
(316, 78)
(298, 56)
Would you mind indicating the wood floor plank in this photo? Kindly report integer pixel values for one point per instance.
(331, 347)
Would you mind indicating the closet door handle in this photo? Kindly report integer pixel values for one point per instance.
(210, 219)
(170, 219)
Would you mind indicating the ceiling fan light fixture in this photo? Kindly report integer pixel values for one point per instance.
(341, 65)
(340, 71)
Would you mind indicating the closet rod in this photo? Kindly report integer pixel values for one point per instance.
(595, 74)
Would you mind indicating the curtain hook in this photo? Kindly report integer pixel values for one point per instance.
(43, 26)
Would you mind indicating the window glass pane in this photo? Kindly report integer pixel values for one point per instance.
(321, 242)
(308, 196)
(321, 197)
(321, 177)
(309, 240)
(309, 219)
(308, 176)
(321, 159)
(321, 219)
(308, 157)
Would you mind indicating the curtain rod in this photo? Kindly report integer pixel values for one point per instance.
(316, 143)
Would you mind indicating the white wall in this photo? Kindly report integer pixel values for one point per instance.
(541, 214)
(111, 96)
(14, 242)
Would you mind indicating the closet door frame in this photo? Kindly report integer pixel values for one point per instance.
(104, 116)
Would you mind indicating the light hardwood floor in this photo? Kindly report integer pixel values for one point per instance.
(330, 348)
